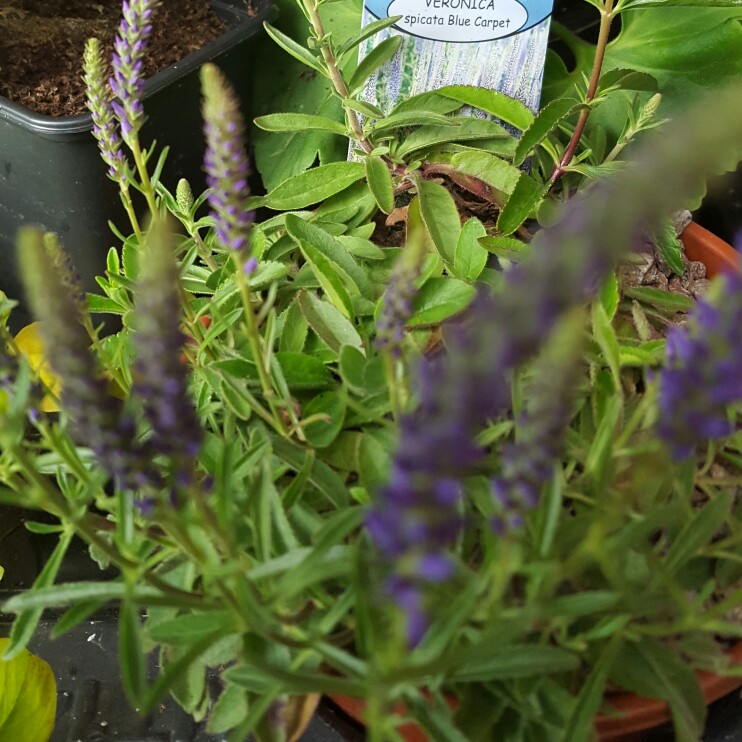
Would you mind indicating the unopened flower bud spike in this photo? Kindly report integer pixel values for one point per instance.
(106, 129)
(185, 202)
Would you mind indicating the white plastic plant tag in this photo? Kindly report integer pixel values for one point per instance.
(494, 44)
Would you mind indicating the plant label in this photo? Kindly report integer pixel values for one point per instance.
(495, 44)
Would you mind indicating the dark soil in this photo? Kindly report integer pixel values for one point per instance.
(42, 43)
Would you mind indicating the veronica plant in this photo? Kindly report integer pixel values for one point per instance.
(320, 465)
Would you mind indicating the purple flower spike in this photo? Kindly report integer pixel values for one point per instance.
(463, 390)
(225, 162)
(127, 80)
(98, 419)
(104, 124)
(703, 372)
(529, 463)
(162, 378)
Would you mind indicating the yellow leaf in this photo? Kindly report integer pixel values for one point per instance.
(31, 346)
(28, 698)
(299, 712)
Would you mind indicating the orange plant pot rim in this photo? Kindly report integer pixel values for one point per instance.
(632, 714)
(713, 252)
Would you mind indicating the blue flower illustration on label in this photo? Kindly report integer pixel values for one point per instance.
(462, 21)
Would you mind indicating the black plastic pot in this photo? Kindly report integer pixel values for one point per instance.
(51, 173)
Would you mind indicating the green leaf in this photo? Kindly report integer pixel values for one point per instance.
(670, 247)
(303, 371)
(191, 627)
(354, 370)
(467, 129)
(441, 218)
(177, 675)
(698, 533)
(68, 593)
(579, 726)
(324, 478)
(188, 686)
(322, 433)
(493, 102)
(524, 199)
(627, 80)
(365, 33)
(288, 87)
(505, 247)
(378, 56)
(428, 101)
(547, 120)
(354, 277)
(438, 299)
(28, 618)
(601, 447)
(691, 51)
(28, 697)
(295, 50)
(294, 330)
(229, 710)
(411, 118)
(232, 395)
(314, 185)
(501, 176)
(651, 353)
(331, 326)
(514, 661)
(380, 183)
(663, 300)
(131, 655)
(74, 616)
(103, 305)
(650, 669)
(609, 296)
(436, 721)
(299, 122)
(373, 462)
(361, 106)
(328, 278)
(470, 257)
(606, 338)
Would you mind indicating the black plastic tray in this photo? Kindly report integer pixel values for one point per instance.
(51, 173)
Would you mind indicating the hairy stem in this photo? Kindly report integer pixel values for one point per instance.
(607, 15)
(336, 76)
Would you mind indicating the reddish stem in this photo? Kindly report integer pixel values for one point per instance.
(592, 88)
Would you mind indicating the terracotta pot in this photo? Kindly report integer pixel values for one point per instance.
(717, 255)
(632, 714)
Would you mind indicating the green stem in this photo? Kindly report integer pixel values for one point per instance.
(336, 77)
(109, 366)
(52, 501)
(145, 182)
(253, 337)
(607, 14)
(129, 206)
(203, 251)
